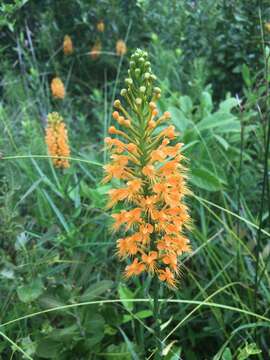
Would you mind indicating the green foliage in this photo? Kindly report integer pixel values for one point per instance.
(57, 254)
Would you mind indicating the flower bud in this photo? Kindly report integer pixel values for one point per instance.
(142, 89)
(167, 115)
(152, 105)
(115, 115)
(117, 104)
(112, 130)
(147, 75)
(129, 81)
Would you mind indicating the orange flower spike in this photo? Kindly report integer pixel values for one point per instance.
(100, 26)
(67, 45)
(120, 47)
(57, 140)
(152, 179)
(57, 88)
(96, 50)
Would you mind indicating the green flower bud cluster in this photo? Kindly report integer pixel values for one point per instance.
(54, 118)
(140, 90)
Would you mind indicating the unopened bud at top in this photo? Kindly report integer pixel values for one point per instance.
(117, 104)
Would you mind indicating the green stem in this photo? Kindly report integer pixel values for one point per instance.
(156, 314)
(14, 157)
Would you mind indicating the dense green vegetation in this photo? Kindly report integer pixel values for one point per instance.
(62, 291)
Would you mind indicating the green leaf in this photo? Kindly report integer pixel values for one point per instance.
(95, 329)
(206, 100)
(172, 352)
(186, 104)
(249, 349)
(30, 292)
(96, 290)
(179, 119)
(219, 121)
(117, 352)
(48, 349)
(29, 346)
(125, 293)
(206, 180)
(97, 195)
(227, 355)
(246, 75)
(227, 105)
(66, 334)
(57, 212)
(222, 141)
(143, 314)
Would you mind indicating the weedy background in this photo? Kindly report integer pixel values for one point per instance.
(211, 58)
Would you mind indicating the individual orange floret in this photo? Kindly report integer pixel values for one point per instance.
(67, 45)
(57, 140)
(167, 276)
(149, 171)
(100, 26)
(171, 260)
(96, 50)
(136, 268)
(57, 88)
(120, 47)
(150, 260)
(127, 246)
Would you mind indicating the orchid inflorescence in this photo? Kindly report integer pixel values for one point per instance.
(147, 162)
(57, 140)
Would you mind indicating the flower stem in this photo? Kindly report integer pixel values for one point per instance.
(156, 314)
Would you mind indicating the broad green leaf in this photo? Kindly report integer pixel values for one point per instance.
(186, 104)
(30, 292)
(65, 334)
(206, 180)
(228, 104)
(96, 290)
(218, 121)
(95, 329)
(48, 349)
(206, 101)
(179, 119)
(125, 293)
